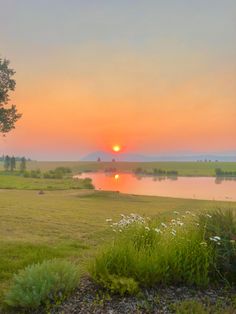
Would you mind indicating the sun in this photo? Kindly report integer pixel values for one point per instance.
(116, 148)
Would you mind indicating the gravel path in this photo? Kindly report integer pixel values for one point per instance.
(90, 299)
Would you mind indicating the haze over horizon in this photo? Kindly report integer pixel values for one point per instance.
(156, 77)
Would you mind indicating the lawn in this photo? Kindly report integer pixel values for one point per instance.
(183, 168)
(70, 223)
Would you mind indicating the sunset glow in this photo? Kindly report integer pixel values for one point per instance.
(116, 148)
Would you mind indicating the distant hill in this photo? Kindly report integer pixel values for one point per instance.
(104, 156)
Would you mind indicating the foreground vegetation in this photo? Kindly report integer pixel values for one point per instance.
(189, 250)
(71, 224)
(182, 168)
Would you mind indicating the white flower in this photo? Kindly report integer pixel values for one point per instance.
(187, 212)
(213, 239)
(108, 220)
(147, 228)
(164, 225)
(158, 230)
(173, 233)
(209, 216)
(217, 238)
(173, 230)
(183, 216)
(175, 212)
(203, 243)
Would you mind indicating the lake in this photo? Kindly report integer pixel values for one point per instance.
(206, 188)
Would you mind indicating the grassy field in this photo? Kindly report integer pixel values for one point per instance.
(19, 182)
(70, 223)
(183, 168)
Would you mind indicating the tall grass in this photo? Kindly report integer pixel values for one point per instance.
(153, 253)
(219, 229)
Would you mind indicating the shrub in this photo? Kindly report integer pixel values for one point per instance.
(41, 284)
(155, 253)
(36, 174)
(219, 228)
(190, 307)
(120, 285)
(87, 183)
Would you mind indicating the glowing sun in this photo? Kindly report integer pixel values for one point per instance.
(116, 148)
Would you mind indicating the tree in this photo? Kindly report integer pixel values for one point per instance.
(23, 164)
(7, 163)
(8, 114)
(12, 163)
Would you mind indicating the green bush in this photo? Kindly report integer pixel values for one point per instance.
(36, 174)
(120, 285)
(190, 307)
(219, 228)
(42, 284)
(167, 254)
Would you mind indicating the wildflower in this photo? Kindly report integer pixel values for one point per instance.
(164, 225)
(173, 233)
(175, 212)
(183, 216)
(215, 239)
(120, 230)
(158, 230)
(203, 243)
(209, 216)
(197, 224)
(173, 230)
(147, 228)
(114, 230)
(180, 223)
(187, 212)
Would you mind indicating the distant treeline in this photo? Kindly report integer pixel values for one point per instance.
(9, 163)
(156, 172)
(17, 158)
(221, 173)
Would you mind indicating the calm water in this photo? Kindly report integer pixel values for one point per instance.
(183, 187)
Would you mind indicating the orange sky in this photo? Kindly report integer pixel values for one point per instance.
(161, 96)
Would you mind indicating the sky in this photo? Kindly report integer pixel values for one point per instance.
(151, 76)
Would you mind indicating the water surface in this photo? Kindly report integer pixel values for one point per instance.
(207, 188)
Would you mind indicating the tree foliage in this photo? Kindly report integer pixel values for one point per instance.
(8, 114)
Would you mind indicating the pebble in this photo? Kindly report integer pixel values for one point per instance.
(91, 299)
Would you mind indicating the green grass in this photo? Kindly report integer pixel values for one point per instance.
(183, 168)
(70, 223)
(11, 181)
